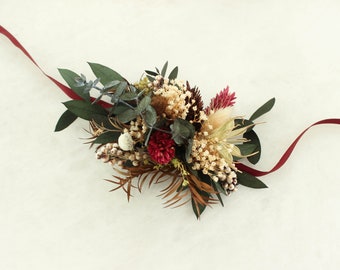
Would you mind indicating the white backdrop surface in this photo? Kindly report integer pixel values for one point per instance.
(57, 213)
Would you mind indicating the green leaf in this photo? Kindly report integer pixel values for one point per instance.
(254, 140)
(108, 137)
(173, 74)
(150, 115)
(70, 77)
(85, 110)
(105, 74)
(66, 119)
(128, 96)
(143, 104)
(165, 67)
(263, 109)
(127, 116)
(182, 130)
(249, 180)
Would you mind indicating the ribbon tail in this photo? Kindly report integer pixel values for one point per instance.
(68, 91)
(288, 152)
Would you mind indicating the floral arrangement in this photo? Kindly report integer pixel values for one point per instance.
(157, 130)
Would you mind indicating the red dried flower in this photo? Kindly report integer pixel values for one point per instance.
(161, 147)
(222, 100)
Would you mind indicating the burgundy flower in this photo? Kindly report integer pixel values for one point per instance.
(161, 147)
(222, 100)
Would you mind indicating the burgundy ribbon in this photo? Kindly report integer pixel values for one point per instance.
(288, 152)
(240, 166)
(69, 92)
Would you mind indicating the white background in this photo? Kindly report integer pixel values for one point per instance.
(56, 211)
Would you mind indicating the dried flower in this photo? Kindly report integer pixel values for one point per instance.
(161, 147)
(125, 142)
(222, 100)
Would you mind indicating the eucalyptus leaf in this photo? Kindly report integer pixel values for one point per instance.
(128, 96)
(254, 140)
(165, 67)
(111, 84)
(263, 109)
(127, 116)
(150, 115)
(147, 136)
(249, 180)
(182, 130)
(66, 119)
(173, 74)
(143, 104)
(71, 79)
(105, 74)
(120, 89)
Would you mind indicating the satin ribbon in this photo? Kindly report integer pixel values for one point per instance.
(68, 91)
(240, 166)
(288, 152)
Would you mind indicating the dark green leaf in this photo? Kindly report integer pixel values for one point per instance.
(105, 74)
(85, 110)
(119, 108)
(151, 79)
(70, 78)
(127, 116)
(249, 180)
(152, 73)
(198, 208)
(254, 140)
(102, 120)
(165, 67)
(263, 109)
(107, 137)
(217, 187)
(143, 104)
(173, 74)
(246, 148)
(150, 115)
(66, 119)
